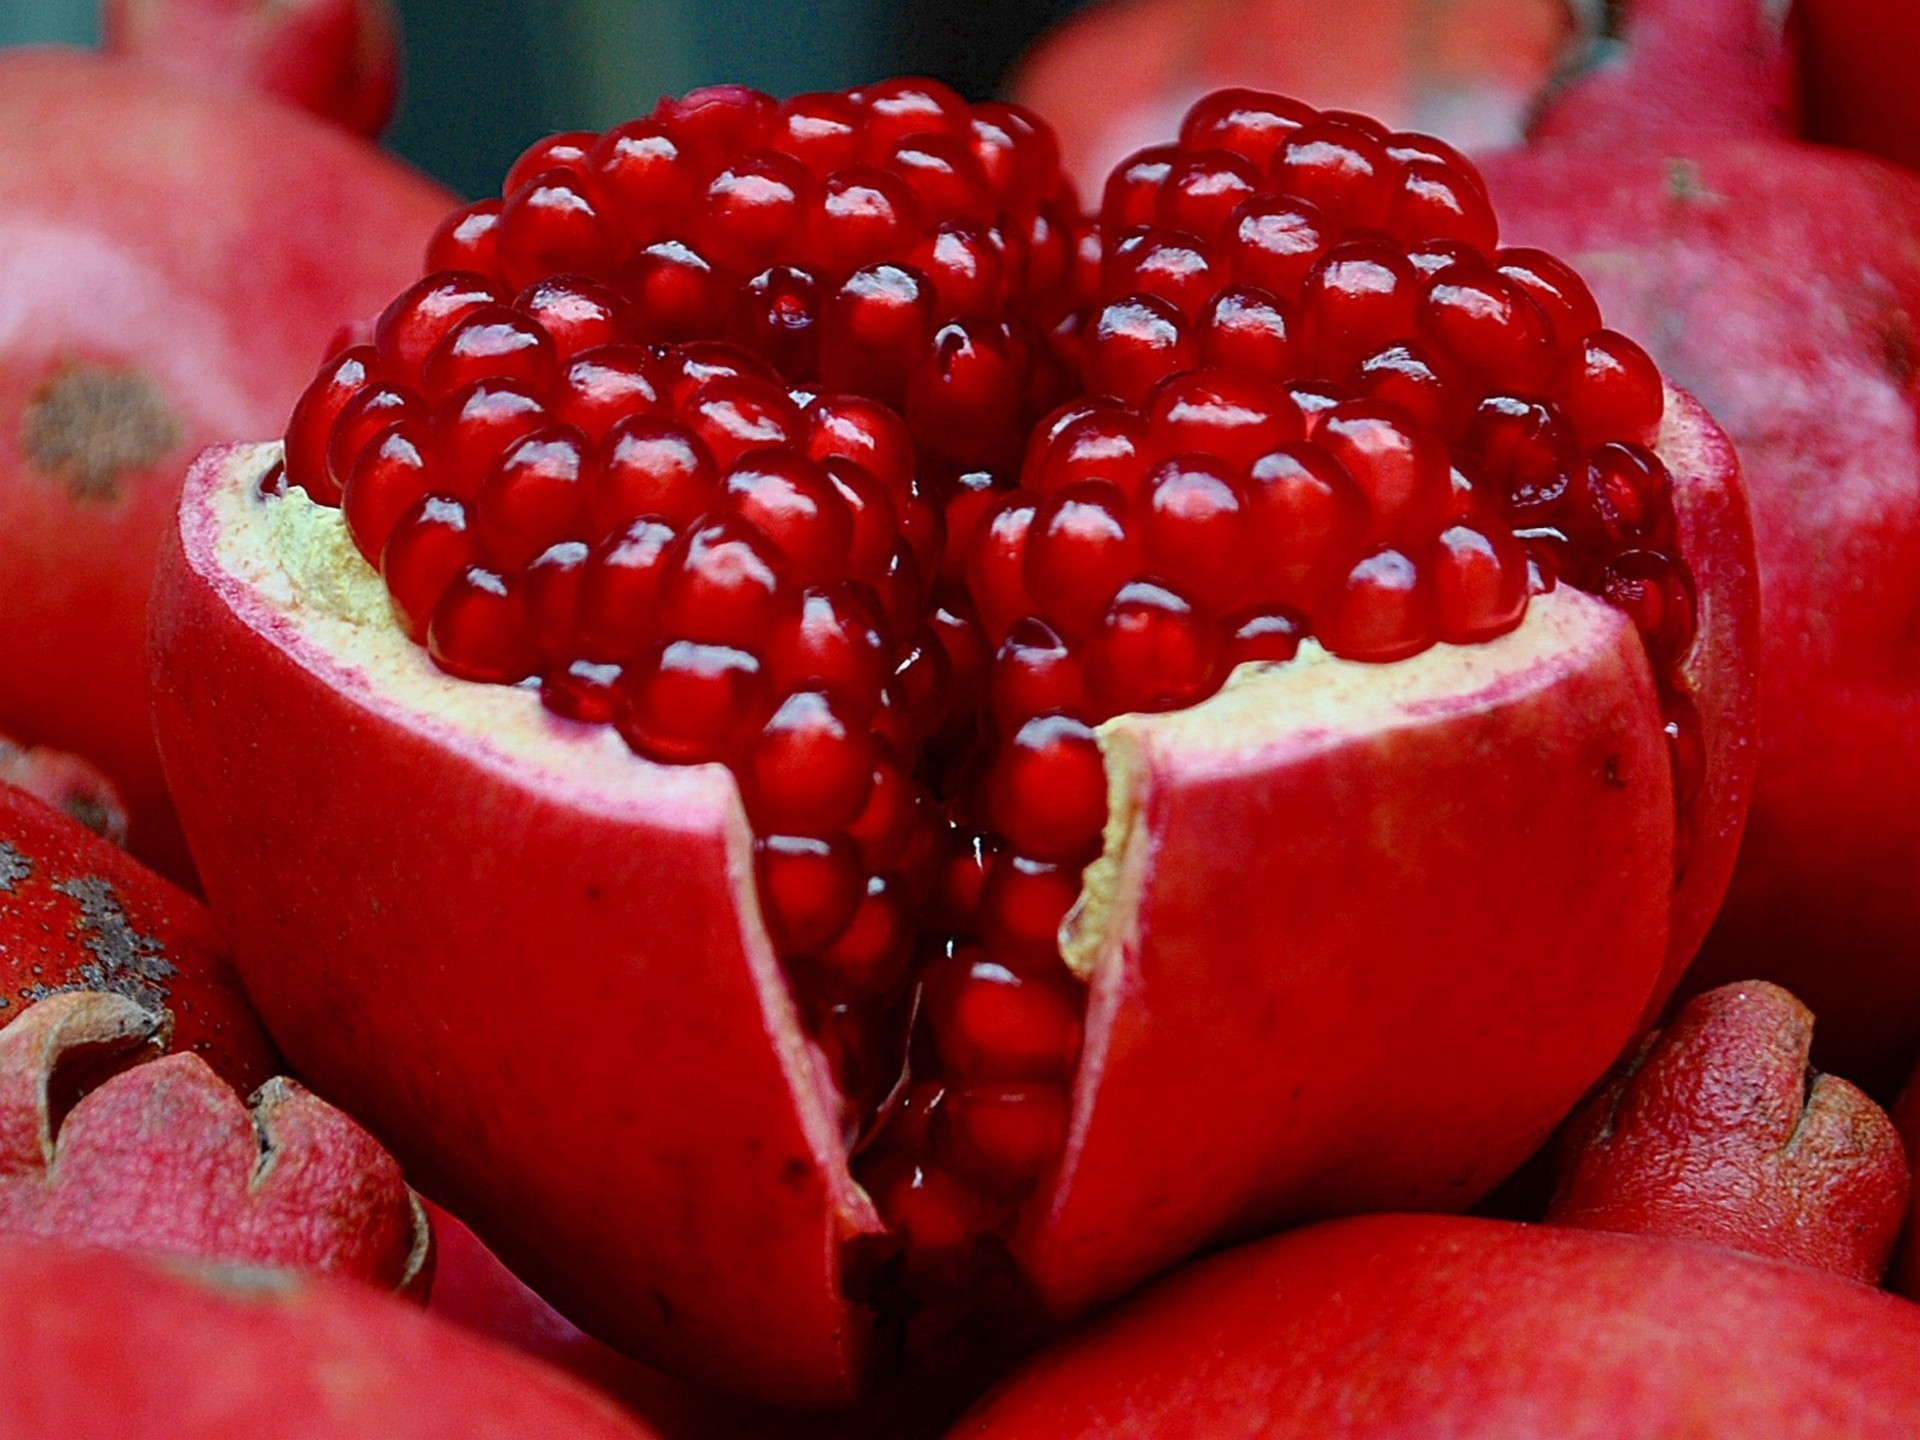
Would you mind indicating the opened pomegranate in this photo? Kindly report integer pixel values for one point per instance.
(337, 58)
(1719, 1131)
(77, 914)
(106, 1139)
(1400, 1325)
(937, 906)
(107, 1347)
(165, 289)
(1779, 282)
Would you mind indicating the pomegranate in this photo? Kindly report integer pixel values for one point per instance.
(1858, 91)
(77, 914)
(1416, 1325)
(111, 1141)
(1719, 1131)
(1119, 75)
(104, 1346)
(1778, 281)
(939, 906)
(338, 59)
(67, 783)
(161, 295)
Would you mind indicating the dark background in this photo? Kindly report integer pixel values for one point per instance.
(487, 77)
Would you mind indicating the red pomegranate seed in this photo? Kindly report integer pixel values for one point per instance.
(963, 394)
(1337, 166)
(389, 476)
(1164, 264)
(1230, 417)
(810, 770)
(735, 414)
(1132, 195)
(472, 428)
(1035, 673)
(535, 496)
(1001, 1137)
(1245, 122)
(1657, 595)
(1048, 790)
(895, 813)
(567, 150)
(1358, 298)
(1439, 201)
(491, 343)
(585, 690)
(1095, 443)
(1274, 243)
(693, 703)
(620, 590)
(940, 172)
(790, 500)
(646, 179)
(1135, 343)
(1561, 294)
(810, 888)
(429, 546)
(603, 386)
(717, 118)
(577, 314)
(830, 637)
(550, 590)
(1196, 531)
(1265, 637)
(1384, 610)
(873, 328)
(1081, 550)
(1154, 652)
(1626, 493)
(1246, 329)
(1401, 469)
(1308, 520)
(1479, 583)
(722, 585)
(675, 294)
(921, 690)
(409, 329)
(653, 467)
(1487, 325)
(310, 430)
(1020, 907)
(868, 434)
(1203, 188)
(1406, 376)
(359, 424)
(996, 567)
(479, 630)
(876, 524)
(1526, 455)
(468, 240)
(776, 314)
(549, 225)
(1610, 389)
(753, 211)
(821, 131)
(870, 956)
(990, 1024)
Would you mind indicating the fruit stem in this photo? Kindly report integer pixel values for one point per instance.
(1645, 70)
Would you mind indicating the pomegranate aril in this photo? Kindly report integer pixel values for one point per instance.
(721, 586)
(359, 423)
(1487, 325)
(869, 435)
(735, 414)
(873, 328)
(1527, 455)
(996, 567)
(909, 105)
(1269, 637)
(652, 467)
(870, 955)
(942, 175)
(1002, 1137)
(1307, 516)
(620, 590)
(1080, 551)
(810, 888)
(310, 429)
(1019, 908)
(1202, 190)
(820, 130)
(1274, 242)
(1196, 531)
(1441, 202)
(1384, 610)
(1035, 673)
(577, 314)
(535, 496)
(937, 1216)
(388, 478)
(790, 500)
(550, 591)
(776, 314)
(1154, 652)
(1404, 375)
(1610, 389)
(646, 180)
(1047, 792)
(1400, 468)
(1132, 196)
(429, 546)
(1095, 442)
(479, 630)
(1251, 123)
(1626, 500)
(1165, 264)
(568, 150)
(1221, 415)
(1359, 298)
(1479, 583)
(714, 119)
(584, 690)
(887, 826)
(990, 1024)
(492, 342)
(603, 386)
(674, 292)
(692, 703)
(409, 328)
(1563, 297)
(963, 394)
(1339, 167)
(876, 523)
(550, 225)
(831, 637)
(810, 770)
(1134, 344)
(921, 690)
(753, 210)
(1246, 329)
(472, 428)
(1657, 595)
(468, 240)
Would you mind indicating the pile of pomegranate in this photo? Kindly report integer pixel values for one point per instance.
(849, 752)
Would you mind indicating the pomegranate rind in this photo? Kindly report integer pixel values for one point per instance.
(1476, 1329)
(102, 1346)
(554, 949)
(162, 295)
(78, 913)
(1402, 916)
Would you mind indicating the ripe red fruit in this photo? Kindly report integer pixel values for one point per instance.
(1719, 1131)
(78, 914)
(1856, 88)
(1777, 281)
(1398, 1325)
(248, 1355)
(940, 821)
(111, 1141)
(67, 783)
(142, 238)
(339, 59)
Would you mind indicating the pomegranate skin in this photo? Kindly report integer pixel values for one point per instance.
(69, 784)
(105, 1347)
(160, 299)
(1779, 283)
(339, 59)
(158, 1155)
(76, 913)
(1477, 1330)
(1719, 1131)
(661, 1071)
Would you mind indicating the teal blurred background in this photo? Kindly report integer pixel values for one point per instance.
(487, 77)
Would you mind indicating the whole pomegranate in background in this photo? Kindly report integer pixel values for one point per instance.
(102, 1346)
(1780, 282)
(1119, 74)
(1481, 1330)
(78, 914)
(1719, 1131)
(1859, 77)
(69, 784)
(339, 59)
(936, 886)
(108, 1140)
(165, 287)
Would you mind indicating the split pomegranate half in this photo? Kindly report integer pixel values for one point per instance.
(872, 901)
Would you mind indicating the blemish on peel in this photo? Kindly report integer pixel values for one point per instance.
(15, 869)
(125, 961)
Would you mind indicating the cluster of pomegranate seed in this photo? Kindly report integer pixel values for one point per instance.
(1317, 400)
(892, 241)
